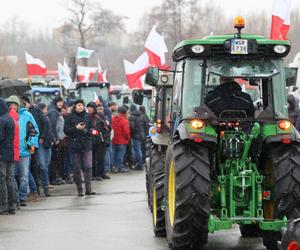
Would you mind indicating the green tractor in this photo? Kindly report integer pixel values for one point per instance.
(228, 167)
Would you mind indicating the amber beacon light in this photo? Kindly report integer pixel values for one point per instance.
(239, 22)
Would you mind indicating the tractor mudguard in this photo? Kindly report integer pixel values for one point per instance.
(160, 139)
(185, 135)
(293, 137)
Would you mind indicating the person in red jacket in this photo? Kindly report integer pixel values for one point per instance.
(120, 126)
(13, 103)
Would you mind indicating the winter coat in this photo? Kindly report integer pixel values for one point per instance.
(7, 131)
(229, 96)
(293, 109)
(79, 140)
(15, 116)
(48, 135)
(53, 115)
(43, 123)
(120, 126)
(29, 132)
(40, 120)
(137, 125)
(60, 127)
(99, 126)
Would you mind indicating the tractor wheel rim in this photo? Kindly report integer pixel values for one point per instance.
(171, 193)
(154, 205)
(293, 246)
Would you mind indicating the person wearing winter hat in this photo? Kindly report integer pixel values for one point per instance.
(29, 136)
(78, 128)
(13, 103)
(55, 169)
(99, 132)
(45, 141)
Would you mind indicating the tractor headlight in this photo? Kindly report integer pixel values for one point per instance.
(198, 49)
(197, 124)
(280, 49)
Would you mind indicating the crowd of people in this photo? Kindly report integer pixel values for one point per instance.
(65, 142)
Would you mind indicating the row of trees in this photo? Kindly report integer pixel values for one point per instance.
(90, 25)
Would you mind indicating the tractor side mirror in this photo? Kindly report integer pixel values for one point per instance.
(290, 76)
(125, 100)
(137, 97)
(152, 76)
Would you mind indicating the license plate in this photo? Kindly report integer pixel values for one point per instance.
(239, 46)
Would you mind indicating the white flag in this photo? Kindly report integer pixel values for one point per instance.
(64, 75)
(83, 53)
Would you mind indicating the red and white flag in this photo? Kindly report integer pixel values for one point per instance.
(101, 74)
(85, 74)
(156, 48)
(134, 71)
(35, 66)
(281, 16)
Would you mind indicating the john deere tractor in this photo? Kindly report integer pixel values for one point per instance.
(229, 168)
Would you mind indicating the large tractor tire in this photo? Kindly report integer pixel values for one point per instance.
(286, 173)
(156, 168)
(250, 231)
(291, 239)
(158, 213)
(187, 195)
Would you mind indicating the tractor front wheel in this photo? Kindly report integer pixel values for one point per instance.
(187, 195)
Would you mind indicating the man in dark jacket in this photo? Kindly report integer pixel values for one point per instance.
(229, 96)
(78, 128)
(7, 187)
(44, 151)
(56, 165)
(137, 132)
(99, 129)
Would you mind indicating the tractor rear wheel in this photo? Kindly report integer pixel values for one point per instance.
(158, 213)
(187, 195)
(291, 239)
(286, 173)
(250, 231)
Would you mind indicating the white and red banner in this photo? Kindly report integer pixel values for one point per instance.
(134, 71)
(156, 48)
(281, 16)
(35, 66)
(85, 74)
(101, 74)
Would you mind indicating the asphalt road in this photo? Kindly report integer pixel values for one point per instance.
(117, 218)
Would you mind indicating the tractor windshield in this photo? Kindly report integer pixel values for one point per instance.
(88, 93)
(262, 79)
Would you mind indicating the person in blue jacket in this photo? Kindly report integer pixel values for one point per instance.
(29, 137)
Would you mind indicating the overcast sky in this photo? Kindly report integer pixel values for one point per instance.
(50, 13)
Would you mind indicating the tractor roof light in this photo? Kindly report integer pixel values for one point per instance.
(239, 24)
(198, 49)
(284, 125)
(197, 124)
(280, 49)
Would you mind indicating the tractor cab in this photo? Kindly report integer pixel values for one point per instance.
(120, 94)
(143, 97)
(231, 140)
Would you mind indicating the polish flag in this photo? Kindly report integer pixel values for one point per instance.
(134, 71)
(101, 77)
(35, 66)
(85, 74)
(281, 16)
(156, 48)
